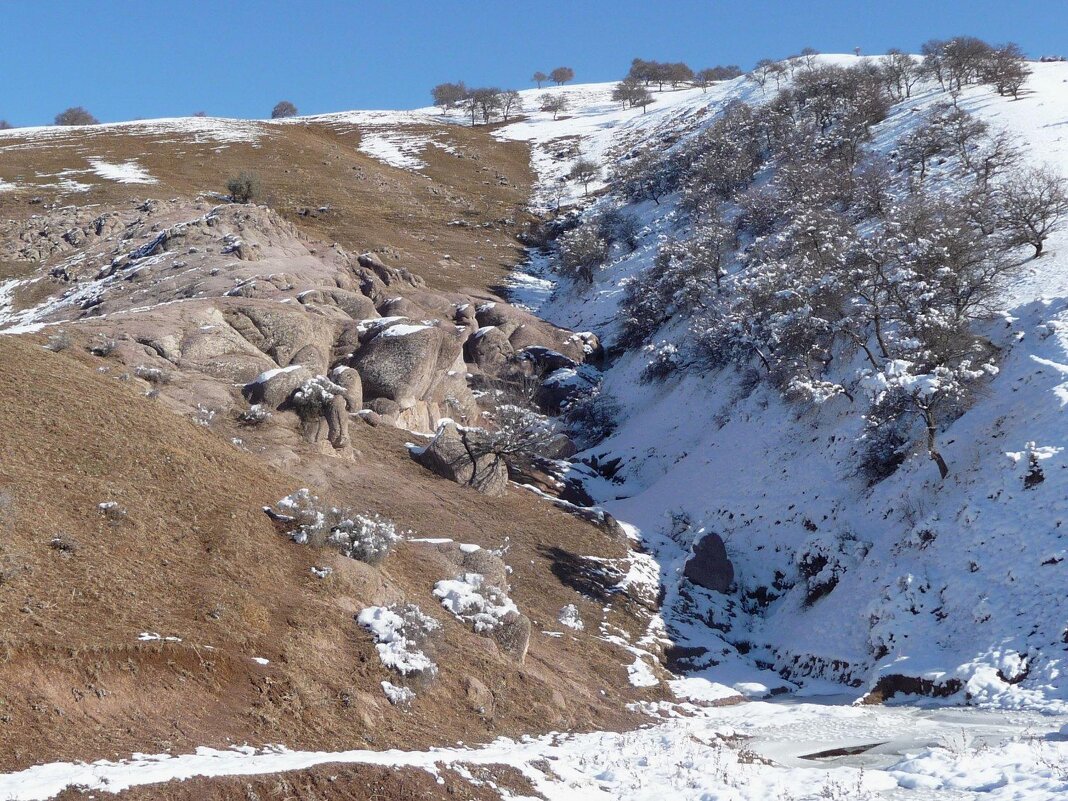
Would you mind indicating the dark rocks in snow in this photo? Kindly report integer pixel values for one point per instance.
(710, 567)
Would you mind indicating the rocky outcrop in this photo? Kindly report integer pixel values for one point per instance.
(455, 455)
(275, 387)
(710, 567)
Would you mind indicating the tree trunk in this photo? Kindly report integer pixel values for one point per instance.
(932, 445)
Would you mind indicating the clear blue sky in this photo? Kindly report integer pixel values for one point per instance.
(123, 59)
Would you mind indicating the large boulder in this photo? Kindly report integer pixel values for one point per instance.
(490, 349)
(455, 455)
(274, 387)
(349, 380)
(400, 363)
(709, 567)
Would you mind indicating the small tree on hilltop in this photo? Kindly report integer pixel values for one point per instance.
(584, 170)
(283, 109)
(76, 115)
(552, 103)
(539, 78)
(448, 96)
(5, 125)
(562, 75)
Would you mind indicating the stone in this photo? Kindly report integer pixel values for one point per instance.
(709, 567)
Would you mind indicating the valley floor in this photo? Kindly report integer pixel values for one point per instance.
(757, 750)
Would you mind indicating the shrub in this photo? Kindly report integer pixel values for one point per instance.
(58, 342)
(309, 521)
(582, 251)
(76, 115)
(593, 418)
(102, 346)
(152, 375)
(283, 109)
(244, 187)
(5, 125)
(254, 415)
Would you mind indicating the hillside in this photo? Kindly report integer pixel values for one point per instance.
(933, 579)
(592, 516)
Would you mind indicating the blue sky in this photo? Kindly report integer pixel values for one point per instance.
(151, 58)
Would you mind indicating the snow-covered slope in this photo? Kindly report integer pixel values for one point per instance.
(962, 579)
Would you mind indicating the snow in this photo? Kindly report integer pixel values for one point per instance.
(403, 330)
(470, 599)
(127, 172)
(984, 595)
(395, 649)
(746, 752)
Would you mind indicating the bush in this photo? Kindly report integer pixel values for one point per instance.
(254, 415)
(582, 251)
(244, 187)
(102, 346)
(5, 125)
(152, 375)
(58, 342)
(309, 521)
(76, 115)
(593, 418)
(283, 109)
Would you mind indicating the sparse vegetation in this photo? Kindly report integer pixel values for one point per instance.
(562, 75)
(76, 115)
(553, 103)
(309, 521)
(283, 109)
(244, 187)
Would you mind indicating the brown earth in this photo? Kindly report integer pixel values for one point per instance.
(313, 174)
(193, 557)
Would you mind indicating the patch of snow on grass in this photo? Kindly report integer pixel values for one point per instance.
(126, 172)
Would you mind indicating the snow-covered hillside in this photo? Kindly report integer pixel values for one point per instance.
(961, 579)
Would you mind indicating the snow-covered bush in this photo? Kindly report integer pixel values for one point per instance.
(255, 414)
(593, 418)
(307, 520)
(153, 375)
(314, 396)
(582, 251)
(403, 635)
(518, 431)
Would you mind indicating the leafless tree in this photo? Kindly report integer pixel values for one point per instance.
(448, 96)
(511, 103)
(1033, 205)
(554, 103)
(562, 75)
(900, 73)
(539, 78)
(584, 170)
(283, 109)
(76, 115)
(5, 125)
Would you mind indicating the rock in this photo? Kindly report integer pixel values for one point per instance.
(490, 349)
(546, 360)
(709, 567)
(400, 363)
(384, 408)
(452, 456)
(479, 696)
(513, 635)
(274, 387)
(349, 380)
(561, 387)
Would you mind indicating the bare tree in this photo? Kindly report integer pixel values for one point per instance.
(511, 103)
(764, 69)
(552, 103)
(1006, 69)
(1033, 205)
(900, 72)
(486, 101)
(539, 78)
(448, 96)
(76, 115)
(5, 125)
(283, 109)
(631, 92)
(809, 57)
(562, 75)
(584, 170)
